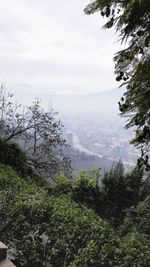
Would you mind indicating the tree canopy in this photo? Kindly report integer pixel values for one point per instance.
(45, 225)
(131, 19)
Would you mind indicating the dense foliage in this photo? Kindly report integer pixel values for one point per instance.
(94, 220)
(132, 21)
(75, 222)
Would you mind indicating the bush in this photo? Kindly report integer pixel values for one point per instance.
(138, 218)
(44, 230)
(134, 251)
(30, 217)
(12, 155)
(63, 185)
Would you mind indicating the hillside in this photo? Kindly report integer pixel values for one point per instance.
(64, 223)
(94, 120)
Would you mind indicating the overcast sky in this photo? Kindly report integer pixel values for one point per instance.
(51, 45)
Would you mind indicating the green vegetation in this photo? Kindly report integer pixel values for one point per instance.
(131, 19)
(74, 222)
(91, 221)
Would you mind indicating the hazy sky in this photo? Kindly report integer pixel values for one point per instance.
(51, 45)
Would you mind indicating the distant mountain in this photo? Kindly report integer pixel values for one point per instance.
(106, 102)
(102, 104)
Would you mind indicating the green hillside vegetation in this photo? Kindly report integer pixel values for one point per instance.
(94, 220)
(73, 222)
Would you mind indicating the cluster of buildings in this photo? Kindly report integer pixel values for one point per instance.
(109, 140)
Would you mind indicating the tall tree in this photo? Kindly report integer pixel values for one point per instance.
(131, 19)
(38, 132)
